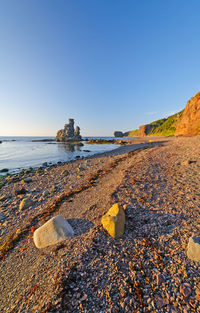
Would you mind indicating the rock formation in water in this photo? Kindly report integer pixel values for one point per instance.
(118, 134)
(189, 124)
(69, 134)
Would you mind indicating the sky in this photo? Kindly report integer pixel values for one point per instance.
(109, 64)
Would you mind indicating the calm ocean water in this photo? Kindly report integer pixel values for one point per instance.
(18, 153)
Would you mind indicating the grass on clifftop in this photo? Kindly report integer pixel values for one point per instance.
(163, 127)
(166, 126)
(132, 133)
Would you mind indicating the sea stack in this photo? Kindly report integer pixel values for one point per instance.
(69, 134)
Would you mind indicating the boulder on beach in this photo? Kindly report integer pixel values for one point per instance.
(114, 221)
(193, 248)
(52, 232)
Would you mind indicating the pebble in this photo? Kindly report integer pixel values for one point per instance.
(25, 204)
(185, 289)
(5, 197)
(2, 217)
(28, 180)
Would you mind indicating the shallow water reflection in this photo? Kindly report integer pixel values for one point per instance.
(69, 147)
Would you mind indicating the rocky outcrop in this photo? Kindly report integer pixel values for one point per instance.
(118, 134)
(189, 124)
(69, 134)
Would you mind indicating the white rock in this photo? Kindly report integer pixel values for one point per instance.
(52, 232)
(193, 249)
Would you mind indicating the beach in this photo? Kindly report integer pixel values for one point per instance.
(156, 181)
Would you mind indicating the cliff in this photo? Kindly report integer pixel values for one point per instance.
(163, 127)
(189, 124)
(185, 123)
(144, 130)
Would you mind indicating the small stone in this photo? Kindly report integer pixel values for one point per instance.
(161, 302)
(28, 180)
(53, 189)
(45, 193)
(187, 162)
(114, 221)
(21, 191)
(52, 232)
(84, 297)
(2, 217)
(193, 248)
(5, 197)
(65, 173)
(25, 204)
(185, 289)
(159, 279)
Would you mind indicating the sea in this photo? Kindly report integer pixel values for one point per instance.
(17, 153)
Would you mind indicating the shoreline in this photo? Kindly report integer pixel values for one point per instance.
(144, 182)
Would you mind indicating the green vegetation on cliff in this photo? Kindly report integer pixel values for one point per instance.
(162, 127)
(166, 126)
(131, 133)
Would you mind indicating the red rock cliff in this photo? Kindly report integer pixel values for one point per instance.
(189, 124)
(144, 130)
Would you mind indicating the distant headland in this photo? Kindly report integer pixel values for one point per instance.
(183, 123)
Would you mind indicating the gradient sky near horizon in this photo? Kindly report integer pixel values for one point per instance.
(109, 64)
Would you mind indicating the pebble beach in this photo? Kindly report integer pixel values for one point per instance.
(156, 181)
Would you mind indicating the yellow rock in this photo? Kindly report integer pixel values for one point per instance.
(114, 221)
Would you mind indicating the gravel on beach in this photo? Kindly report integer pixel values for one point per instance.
(146, 270)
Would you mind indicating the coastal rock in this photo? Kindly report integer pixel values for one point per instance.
(25, 204)
(189, 124)
(114, 221)
(4, 170)
(118, 134)
(193, 248)
(52, 232)
(69, 134)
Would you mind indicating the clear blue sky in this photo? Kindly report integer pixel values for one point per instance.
(109, 64)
